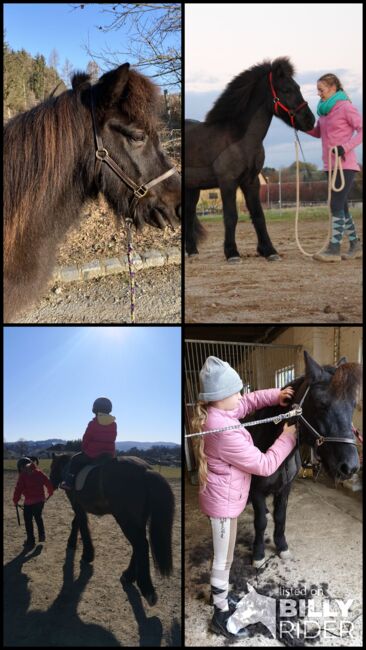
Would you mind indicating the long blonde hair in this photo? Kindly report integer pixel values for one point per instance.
(198, 421)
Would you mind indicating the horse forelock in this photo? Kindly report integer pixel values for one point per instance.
(140, 101)
(346, 380)
(283, 66)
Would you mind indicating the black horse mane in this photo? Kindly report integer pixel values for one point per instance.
(233, 102)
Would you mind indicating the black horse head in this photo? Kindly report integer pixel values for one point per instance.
(328, 407)
(284, 97)
(126, 113)
(57, 467)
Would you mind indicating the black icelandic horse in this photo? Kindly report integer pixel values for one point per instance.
(51, 169)
(226, 150)
(136, 496)
(328, 407)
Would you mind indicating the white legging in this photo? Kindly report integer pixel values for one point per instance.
(223, 537)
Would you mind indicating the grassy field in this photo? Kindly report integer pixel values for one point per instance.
(44, 464)
(286, 214)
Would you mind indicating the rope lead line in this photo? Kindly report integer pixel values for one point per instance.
(296, 412)
(332, 174)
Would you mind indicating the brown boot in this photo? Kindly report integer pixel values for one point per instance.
(355, 250)
(332, 253)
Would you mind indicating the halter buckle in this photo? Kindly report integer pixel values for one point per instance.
(101, 154)
(140, 192)
(319, 441)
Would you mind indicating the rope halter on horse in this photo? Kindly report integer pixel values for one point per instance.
(278, 104)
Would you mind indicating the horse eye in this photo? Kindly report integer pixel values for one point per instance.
(137, 137)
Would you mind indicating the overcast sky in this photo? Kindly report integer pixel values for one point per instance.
(222, 40)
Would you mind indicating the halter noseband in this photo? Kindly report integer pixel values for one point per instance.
(278, 103)
(320, 440)
(102, 155)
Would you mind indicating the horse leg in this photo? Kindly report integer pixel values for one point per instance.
(279, 516)
(251, 193)
(191, 222)
(88, 548)
(139, 567)
(228, 196)
(260, 523)
(72, 541)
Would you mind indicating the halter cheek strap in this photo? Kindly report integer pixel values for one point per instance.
(278, 103)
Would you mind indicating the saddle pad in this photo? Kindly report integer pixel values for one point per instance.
(81, 476)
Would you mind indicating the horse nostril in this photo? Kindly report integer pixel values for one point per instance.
(179, 211)
(347, 470)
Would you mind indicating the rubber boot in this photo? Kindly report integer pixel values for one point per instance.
(218, 622)
(355, 250)
(332, 253)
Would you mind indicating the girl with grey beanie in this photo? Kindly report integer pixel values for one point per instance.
(226, 461)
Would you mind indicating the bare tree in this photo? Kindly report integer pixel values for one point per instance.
(154, 42)
(67, 70)
(21, 447)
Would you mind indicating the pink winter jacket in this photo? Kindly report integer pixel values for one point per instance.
(337, 128)
(232, 457)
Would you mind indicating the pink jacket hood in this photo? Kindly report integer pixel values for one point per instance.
(338, 128)
(232, 457)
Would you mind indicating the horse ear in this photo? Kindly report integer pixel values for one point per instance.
(53, 455)
(341, 361)
(312, 369)
(112, 84)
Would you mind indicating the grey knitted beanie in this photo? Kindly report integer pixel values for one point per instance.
(218, 380)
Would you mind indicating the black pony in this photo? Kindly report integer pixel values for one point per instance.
(50, 171)
(226, 150)
(328, 407)
(135, 495)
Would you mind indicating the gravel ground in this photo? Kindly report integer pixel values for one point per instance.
(107, 300)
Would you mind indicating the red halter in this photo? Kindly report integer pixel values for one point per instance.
(277, 104)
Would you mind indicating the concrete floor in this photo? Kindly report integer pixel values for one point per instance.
(324, 534)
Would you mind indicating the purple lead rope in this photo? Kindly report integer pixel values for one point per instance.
(130, 268)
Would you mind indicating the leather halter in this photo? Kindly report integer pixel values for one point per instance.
(102, 155)
(320, 440)
(278, 103)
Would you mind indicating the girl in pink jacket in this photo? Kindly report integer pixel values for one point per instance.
(339, 125)
(226, 462)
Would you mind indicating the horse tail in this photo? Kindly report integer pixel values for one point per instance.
(161, 511)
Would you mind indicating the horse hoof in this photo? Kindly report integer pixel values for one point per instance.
(191, 254)
(274, 258)
(151, 599)
(285, 555)
(234, 260)
(257, 564)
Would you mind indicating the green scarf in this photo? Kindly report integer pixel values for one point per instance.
(324, 107)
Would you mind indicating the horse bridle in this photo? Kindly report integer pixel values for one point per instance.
(278, 104)
(102, 155)
(320, 440)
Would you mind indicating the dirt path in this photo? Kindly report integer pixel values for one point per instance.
(52, 599)
(107, 300)
(297, 289)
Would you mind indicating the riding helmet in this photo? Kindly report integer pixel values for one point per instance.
(22, 462)
(102, 405)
